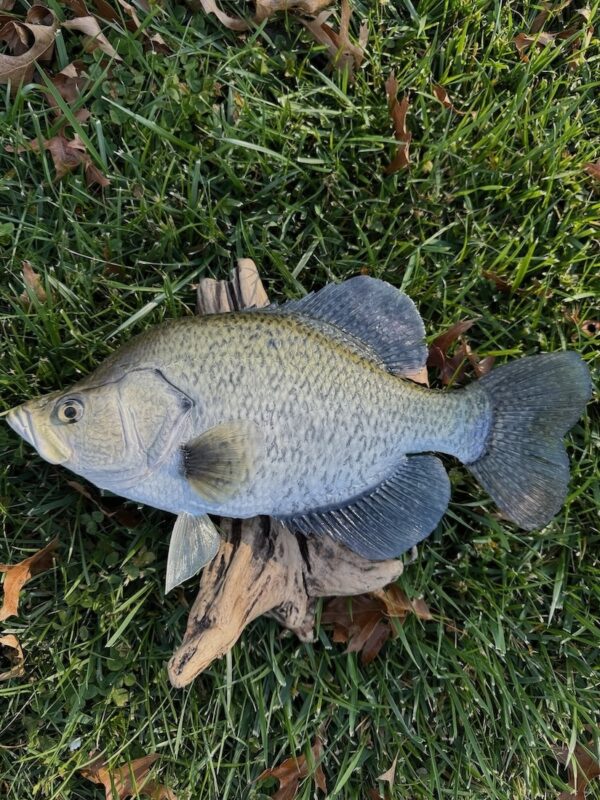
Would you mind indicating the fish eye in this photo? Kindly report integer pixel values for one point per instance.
(70, 410)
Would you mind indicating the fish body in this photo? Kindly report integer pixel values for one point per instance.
(302, 412)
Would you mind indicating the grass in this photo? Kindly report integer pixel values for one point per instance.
(247, 146)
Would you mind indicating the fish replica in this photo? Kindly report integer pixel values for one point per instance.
(301, 412)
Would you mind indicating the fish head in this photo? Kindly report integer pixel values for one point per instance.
(114, 434)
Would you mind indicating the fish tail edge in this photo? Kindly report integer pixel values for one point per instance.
(534, 402)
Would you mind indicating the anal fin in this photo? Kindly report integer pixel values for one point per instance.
(194, 542)
(390, 519)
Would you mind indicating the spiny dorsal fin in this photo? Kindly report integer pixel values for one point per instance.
(391, 518)
(373, 311)
(194, 542)
(222, 459)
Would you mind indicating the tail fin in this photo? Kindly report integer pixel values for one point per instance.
(534, 402)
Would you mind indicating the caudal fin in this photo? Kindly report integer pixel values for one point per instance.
(534, 401)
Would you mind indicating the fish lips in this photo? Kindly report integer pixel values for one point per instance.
(48, 445)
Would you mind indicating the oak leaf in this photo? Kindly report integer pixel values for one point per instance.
(293, 770)
(582, 767)
(17, 576)
(398, 112)
(128, 780)
(343, 53)
(363, 622)
(67, 155)
(29, 41)
(10, 650)
(452, 368)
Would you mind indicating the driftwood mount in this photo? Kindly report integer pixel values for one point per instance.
(261, 567)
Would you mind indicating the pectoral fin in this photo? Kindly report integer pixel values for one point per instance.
(222, 459)
(194, 542)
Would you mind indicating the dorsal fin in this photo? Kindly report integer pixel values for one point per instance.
(373, 311)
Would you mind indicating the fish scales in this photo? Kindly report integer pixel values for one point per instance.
(302, 412)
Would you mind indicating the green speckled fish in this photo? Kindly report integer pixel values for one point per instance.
(301, 412)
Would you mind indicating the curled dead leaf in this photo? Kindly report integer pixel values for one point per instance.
(291, 771)
(11, 652)
(398, 112)
(128, 780)
(524, 41)
(67, 155)
(265, 8)
(582, 767)
(33, 285)
(17, 575)
(90, 27)
(211, 7)
(29, 42)
(443, 97)
(363, 621)
(389, 775)
(342, 52)
(593, 170)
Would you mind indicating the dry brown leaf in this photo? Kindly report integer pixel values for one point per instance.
(523, 42)
(90, 27)
(10, 651)
(389, 775)
(129, 780)
(17, 576)
(29, 41)
(501, 283)
(373, 794)
(364, 622)
(582, 768)
(265, 8)
(398, 112)
(445, 340)
(210, 7)
(33, 285)
(452, 369)
(343, 53)
(293, 770)
(67, 155)
(111, 507)
(443, 97)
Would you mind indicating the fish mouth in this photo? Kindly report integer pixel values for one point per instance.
(48, 446)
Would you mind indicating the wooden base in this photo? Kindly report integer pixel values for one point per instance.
(261, 567)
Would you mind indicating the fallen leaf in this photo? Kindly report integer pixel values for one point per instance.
(363, 622)
(265, 8)
(29, 42)
(67, 155)
(591, 327)
(33, 285)
(442, 95)
(90, 27)
(501, 283)
(389, 775)
(398, 112)
(343, 53)
(292, 770)
(210, 7)
(523, 42)
(373, 794)
(582, 768)
(129, 780)
(445, 340)
(111, 507)
(17, 576)
(10, 650)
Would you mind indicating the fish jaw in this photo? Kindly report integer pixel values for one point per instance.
(47, 443)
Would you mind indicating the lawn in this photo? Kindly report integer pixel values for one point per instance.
(247, 145)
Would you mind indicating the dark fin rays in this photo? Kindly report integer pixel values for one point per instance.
(222, 459)
(373, 311)
(535, 400)
(389, 520)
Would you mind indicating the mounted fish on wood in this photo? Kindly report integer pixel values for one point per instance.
(301, 412)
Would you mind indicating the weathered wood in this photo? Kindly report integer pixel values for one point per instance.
(261, 567)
